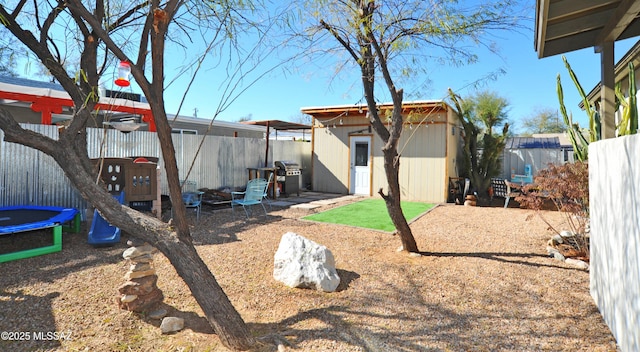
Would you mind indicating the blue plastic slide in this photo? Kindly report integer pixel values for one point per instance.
(102, 233)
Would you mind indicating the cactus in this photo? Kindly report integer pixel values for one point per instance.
(629, 118)
(578, 140)
(633, 101)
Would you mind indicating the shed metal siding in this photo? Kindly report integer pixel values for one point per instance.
(424, 164)
(330, 159)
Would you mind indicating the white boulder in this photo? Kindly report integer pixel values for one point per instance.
(300, 262)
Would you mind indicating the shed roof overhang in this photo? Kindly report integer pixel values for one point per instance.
(321, 112)
(568, 25)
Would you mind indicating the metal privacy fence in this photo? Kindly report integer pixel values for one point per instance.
(29, 177)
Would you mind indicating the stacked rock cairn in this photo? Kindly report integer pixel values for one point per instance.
(139, 293)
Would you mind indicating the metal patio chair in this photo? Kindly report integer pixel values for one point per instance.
(253, 195)
(193, 200)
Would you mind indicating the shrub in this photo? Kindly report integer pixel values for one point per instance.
(567, 186)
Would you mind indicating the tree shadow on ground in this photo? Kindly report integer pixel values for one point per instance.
(76, 255)
(223, 227)
(509, 258)
(192, 320)
(34, 317)
(381, 321)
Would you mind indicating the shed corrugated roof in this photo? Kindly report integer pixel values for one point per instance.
(533, 143)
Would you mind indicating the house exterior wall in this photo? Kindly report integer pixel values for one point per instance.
(614, 202)
(428, 156)
(220, 128)
(23, 114)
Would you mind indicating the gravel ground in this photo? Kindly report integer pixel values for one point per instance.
(483, 283)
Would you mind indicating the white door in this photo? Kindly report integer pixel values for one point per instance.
(360, 165)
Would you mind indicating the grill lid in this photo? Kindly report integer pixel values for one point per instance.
(286, 165)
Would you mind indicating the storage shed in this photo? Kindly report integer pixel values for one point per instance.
(347, 156)
(538, 152)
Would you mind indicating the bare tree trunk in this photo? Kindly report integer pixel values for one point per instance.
(392, 200)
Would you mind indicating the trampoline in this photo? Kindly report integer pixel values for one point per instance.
(30, 218)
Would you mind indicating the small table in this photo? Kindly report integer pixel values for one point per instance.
(265, 172)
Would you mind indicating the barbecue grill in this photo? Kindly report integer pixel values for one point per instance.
(288, 174)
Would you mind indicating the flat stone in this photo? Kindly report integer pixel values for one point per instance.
(158, 314)
(138, 274)
(171, 324)
(305, 206)
(143, 302)
(133, 252)
(147, 258)
(577, 263)
(139, 286)
(282, 203)
(140, 267)
(324, 202)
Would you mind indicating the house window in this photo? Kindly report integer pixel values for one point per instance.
(183, 132)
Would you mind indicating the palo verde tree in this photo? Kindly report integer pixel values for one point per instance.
(395, 40)
(480, 115)
(137, 32)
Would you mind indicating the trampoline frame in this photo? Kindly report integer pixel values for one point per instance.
(56, 222)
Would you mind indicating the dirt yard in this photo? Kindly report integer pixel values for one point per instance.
(483, 283)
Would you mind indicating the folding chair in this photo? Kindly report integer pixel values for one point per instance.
(253, 195)
(192, 200)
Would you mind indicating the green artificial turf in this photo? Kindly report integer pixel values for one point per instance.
(369, 213)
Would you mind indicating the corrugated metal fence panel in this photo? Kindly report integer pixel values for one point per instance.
(221, 162)
(30, 177)
(115, 144)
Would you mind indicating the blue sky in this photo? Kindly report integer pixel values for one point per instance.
(528, 84)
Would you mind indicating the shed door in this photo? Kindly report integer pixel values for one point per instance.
(360, 165)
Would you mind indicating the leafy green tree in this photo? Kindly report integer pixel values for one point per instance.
(543, 120)
(390, 40)
(480, 115)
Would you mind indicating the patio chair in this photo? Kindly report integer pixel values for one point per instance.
(193, 200)
(253, 195)
(502, 188)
